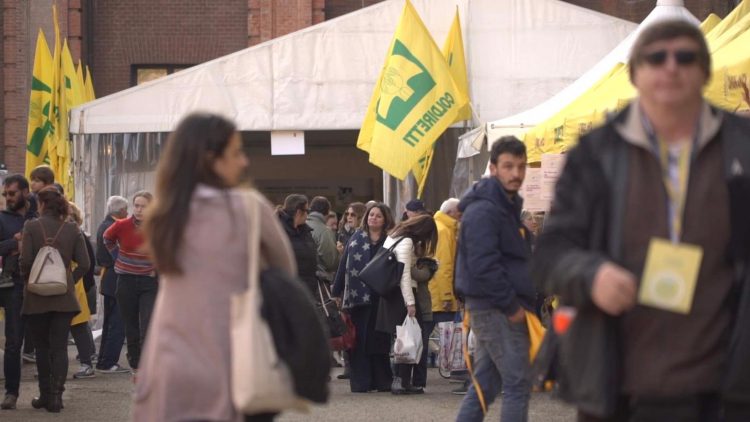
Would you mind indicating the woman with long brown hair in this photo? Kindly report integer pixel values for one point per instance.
(197, 232)
(413, 238)
(48, 317)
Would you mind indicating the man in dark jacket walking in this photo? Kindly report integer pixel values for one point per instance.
(661, 296)
(492, 276)
(113, 329)
(12, 219)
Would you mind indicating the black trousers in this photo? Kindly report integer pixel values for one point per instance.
(49, 332)
(370, 365)
(11, 299)
(136, 295)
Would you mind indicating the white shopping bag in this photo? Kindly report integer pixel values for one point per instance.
(408, 346)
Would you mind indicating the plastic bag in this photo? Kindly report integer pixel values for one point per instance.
(450, 356)
(407, 348)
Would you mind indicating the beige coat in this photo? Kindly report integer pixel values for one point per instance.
(185, 367)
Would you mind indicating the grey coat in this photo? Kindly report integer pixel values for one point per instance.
(72, 247)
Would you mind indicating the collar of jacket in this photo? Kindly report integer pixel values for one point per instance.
(446, 220)
(314, 215)
(630, 125)
(288, 223)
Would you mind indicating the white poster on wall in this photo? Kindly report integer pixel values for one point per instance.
(552, 165)
(531, 191)
(287, 142)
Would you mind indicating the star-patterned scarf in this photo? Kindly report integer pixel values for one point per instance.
(357, 255)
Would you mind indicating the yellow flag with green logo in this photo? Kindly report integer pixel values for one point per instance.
(414, 101)
(453, 51)
(54, 109)
(70, 95)
(38, 133)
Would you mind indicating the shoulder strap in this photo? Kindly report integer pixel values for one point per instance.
(47, 242)
(393, 246)
(253, 241)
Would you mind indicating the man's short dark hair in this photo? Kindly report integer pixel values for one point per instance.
(669, 30)
(320, 204)
(43, 174)
(507, 145)
(18, 179)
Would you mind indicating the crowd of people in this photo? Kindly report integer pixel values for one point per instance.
(625, 356)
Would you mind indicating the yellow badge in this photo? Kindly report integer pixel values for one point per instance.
(670, 276)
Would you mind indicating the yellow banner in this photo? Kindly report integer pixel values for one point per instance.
(414, 101)
(89, 86)
(39, 126)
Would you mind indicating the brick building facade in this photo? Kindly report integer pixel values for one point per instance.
(118, 38)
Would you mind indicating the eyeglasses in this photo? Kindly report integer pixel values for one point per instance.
(681, 57)
(8, 193)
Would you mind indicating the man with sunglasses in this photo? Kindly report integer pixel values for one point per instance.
(648, 240)
(12, 219)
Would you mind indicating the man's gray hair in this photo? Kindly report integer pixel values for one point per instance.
(116, 204)
(449, 205)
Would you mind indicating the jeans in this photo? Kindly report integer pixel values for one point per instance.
(11, 299)
(113, 335)
(49, 332)
(501, 362)
(136, 296)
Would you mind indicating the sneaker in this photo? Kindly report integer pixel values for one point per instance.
(9, 403)
(85, 372)
(114, 369)
(28, 357)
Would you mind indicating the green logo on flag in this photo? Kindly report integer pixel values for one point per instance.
(405, 83)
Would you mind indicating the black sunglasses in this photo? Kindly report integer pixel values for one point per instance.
(682, 57)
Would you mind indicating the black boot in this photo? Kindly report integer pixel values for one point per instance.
(54, 403)
(44, 392)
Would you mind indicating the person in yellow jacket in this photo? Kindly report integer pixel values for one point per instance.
(444, 304)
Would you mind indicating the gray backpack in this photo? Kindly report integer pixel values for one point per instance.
(49, 275)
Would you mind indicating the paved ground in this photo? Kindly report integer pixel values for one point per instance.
(106, 398)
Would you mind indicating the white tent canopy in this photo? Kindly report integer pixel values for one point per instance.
(518, 124)
(519, 53)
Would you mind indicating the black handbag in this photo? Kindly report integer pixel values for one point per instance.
(330, 310)
(383, 273)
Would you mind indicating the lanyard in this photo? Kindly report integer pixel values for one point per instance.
(675, 175)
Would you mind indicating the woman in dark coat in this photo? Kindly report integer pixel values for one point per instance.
(350, 222)
(48, 317)
(293, 216)
(369, 361)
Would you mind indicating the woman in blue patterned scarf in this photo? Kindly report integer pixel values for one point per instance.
(369, 360)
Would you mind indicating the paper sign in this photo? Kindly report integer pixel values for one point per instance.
(552, 165)
(531, 191)
(287, 142)
(670, 276)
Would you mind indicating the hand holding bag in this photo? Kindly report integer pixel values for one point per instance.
(407, 348)
(383, 273)
(261, 381)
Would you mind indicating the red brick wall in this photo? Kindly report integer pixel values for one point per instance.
(179, 32)
(15, 62)
(637, 10)
(268, 19)
(336, 8)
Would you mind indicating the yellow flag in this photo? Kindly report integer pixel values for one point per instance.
(453, 51)
(729, 86)
(81, 83)
(38, 133)
(70, 95)
(54, 110)
(710, 23)
(88, 85)
(414, 101)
